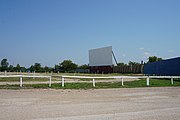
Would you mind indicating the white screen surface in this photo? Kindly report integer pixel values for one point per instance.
(101, 56)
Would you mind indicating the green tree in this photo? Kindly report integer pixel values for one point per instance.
(31, 68)
(154, 59)
(56, 68)
(37, 67)
(18, 67)
(4, 65)
(83, 66)
(121, 64)
(23, 69)
(47, 69)
(68, 66)
(11, 68)
(159, 59)
(133, 63)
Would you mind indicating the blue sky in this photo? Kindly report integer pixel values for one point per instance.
(50, 31)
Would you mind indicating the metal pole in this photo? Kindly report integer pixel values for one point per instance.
(122, 81)
(50, 81)
(114, 57)
(94, 82)
(62, 81)
(21, 83)
(147, 81)
(172, 82)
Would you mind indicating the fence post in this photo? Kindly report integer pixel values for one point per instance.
(5, 72)
(62, 81)
(34, 75)
(147, 81)
(94, 82)
(50, 81)
(122, 81)
(21, 82)
(172, 82)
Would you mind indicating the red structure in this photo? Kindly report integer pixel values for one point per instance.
(101, 69)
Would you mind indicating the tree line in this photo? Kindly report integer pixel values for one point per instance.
(64, 66)
(150, 59)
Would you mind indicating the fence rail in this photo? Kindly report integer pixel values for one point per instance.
(122, 78)
(26, 76)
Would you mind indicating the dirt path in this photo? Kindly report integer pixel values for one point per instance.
(99, 104)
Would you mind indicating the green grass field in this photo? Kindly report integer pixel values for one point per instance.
(16, 79)
(99, 85)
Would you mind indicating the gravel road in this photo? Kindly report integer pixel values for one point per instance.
(162, 103)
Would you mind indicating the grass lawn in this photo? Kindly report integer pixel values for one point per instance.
(129, 84)
(16, 79)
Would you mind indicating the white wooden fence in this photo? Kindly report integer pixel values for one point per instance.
(26, 76)
(122, 78)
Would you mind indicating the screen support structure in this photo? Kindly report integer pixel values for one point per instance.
(114, 57)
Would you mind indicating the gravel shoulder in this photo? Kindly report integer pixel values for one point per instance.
(162, 103)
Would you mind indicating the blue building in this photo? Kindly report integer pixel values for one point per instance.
(169, 67)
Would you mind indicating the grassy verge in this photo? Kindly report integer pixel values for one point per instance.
(99, 85)
(16, 79)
